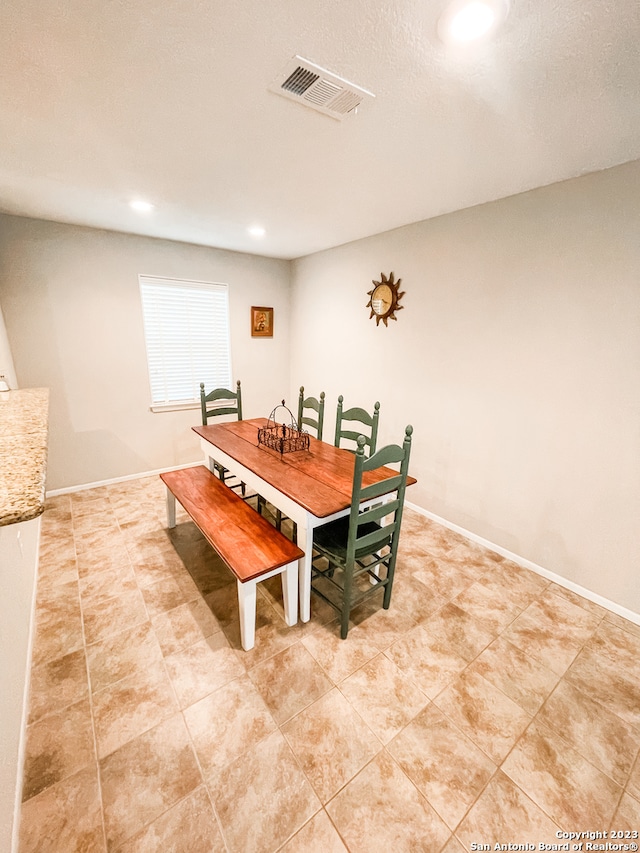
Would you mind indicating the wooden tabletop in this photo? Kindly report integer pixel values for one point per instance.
(319, 479)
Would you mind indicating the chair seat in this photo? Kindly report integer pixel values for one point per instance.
(332, 538)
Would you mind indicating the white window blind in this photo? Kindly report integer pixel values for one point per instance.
(186, 327)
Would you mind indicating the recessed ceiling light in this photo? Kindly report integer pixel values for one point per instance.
(465, 21)
(257, 231)
(141, 206)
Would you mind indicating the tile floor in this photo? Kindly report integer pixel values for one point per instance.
(487, 706)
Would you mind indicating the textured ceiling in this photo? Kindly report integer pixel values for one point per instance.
(104, 100)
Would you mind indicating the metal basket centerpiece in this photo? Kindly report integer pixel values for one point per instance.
(282, 437)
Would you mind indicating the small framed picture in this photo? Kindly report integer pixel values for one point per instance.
(261, 322)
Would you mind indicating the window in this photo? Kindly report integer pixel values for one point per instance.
(186, 327)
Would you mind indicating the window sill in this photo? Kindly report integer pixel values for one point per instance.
(174, 407)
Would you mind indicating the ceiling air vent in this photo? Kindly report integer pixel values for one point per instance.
(308, 84)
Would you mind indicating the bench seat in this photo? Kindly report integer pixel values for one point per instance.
(251, 548)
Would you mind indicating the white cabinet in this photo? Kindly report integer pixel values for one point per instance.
(18, 574)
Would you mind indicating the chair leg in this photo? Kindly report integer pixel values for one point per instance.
(294, 534)
(346, 605)
(257, 497)
(290, 593)
(386, 601)
(247, 606)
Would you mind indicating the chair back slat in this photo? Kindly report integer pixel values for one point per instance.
(378, 511)
(220, 410)
(311, 403)
(384, 487)
(351, 435)
(357, 414)
(388, 455)
(374, 540)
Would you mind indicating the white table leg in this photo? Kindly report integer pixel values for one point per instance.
(290, 593)
(247, 607)
(305, 541)
(171, 509)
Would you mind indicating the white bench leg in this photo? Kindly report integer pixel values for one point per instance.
(290, 593)
(171, 509)
(247, 606)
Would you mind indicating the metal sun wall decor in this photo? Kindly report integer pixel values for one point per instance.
(384, 299)
(282, 437)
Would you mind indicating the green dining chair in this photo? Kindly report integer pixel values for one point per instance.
(367, 425)
(225, 402)
(313, 404)
(355, 556)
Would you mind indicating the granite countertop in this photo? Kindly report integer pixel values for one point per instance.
(24, 418)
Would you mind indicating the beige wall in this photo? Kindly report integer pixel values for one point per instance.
(71, 303)
(517, 359)
(6, 358)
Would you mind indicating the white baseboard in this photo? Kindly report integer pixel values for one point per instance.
(141, 476)
(528, 564)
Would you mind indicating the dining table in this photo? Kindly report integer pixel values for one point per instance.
(312, 486)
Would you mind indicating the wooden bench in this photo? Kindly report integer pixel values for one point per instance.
(248, 544)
